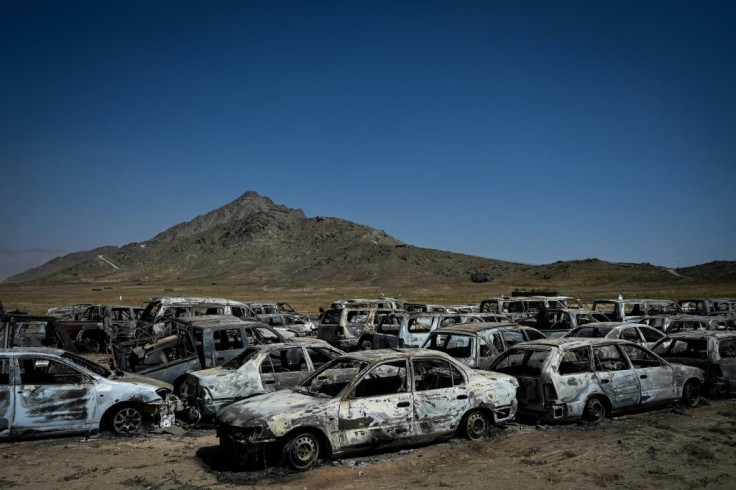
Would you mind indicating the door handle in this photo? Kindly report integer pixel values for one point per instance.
(462, 397)
(403, 404)
(271, 382)
(220, 358)
(605, 381)
(643, 376)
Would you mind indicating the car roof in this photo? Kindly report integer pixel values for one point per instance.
(389, 354)
(570, 343)
(32, 350)
(699, 334)
(476, 327)
(205, 321)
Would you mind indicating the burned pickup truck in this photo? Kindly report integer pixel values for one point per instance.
(91, 328)
(192, 344)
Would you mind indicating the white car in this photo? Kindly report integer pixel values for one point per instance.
(588, 379)
(44, 391)
(257, 370)
(367, 399)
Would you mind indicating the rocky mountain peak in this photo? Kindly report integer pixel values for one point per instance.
(242, 208)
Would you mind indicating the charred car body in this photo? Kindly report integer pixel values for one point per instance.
(367, 399)
(713, 352)
(477, 344)
(633, 332)
(194, 343)
(159, 312)
(259, 369)
(555, 322)
(45, 391)
(628, 310)
(588, 379)
(92, 328)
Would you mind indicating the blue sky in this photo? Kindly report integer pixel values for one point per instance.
(523, 131)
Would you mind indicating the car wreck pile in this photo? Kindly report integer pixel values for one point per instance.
(414, 372)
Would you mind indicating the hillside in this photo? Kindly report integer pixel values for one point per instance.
(254, 241)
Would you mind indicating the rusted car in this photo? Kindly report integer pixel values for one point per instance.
(631, 310)
(411, 329)
(194, 343)
(556, 322)
(713, 352)
(588, 379)
(633, 332)
(45, 391)
(258, 369)
(300, 325)
(367, 399)
(349, 328)
(477, 344)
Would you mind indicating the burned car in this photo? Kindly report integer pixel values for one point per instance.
(349, 328)
(155, 319)
(367, 399)
(411, 329)
(259, 369)
(50, 391)
(633, 332)
(589, 379)
(299, 325)
(477, 344)
(713, 352)
(631, 310)
(194, 343)
(556, 322)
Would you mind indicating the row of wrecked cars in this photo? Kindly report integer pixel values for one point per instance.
(416, 373)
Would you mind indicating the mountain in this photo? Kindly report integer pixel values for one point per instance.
(252, 240)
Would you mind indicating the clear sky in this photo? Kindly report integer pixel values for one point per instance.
(523, 131)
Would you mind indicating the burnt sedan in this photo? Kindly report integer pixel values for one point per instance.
(477, 344)
(259, 369)
(49, 391)
(367, 400)
(713, 352)
(588, 379)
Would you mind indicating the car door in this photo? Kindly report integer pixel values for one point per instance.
(283, 368)
(387, 332)
(726, 355)
(7, 395)
(228, 343)
(378, 409)
(415, 331)
(440, 397)
(616, 377)
(656, 378)
(52, 396)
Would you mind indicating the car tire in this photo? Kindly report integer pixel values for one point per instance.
(475, 425)
(91, 344)
(126, 421)
(595, 410)
(302, 451)
(691, 394)
(366, 344)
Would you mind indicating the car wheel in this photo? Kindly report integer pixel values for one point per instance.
(302, 451)
(595, 411)
(691, 394)
(92, 345)
(366, 344)
(475, 425)
(126, 421)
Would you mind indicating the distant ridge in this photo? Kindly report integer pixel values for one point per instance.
(252, 240)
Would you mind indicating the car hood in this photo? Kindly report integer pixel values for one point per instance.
(138, 379)
(243, 413)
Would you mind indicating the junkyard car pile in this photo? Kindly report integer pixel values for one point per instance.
(417, 373)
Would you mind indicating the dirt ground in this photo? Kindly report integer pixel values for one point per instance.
(668, 447)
